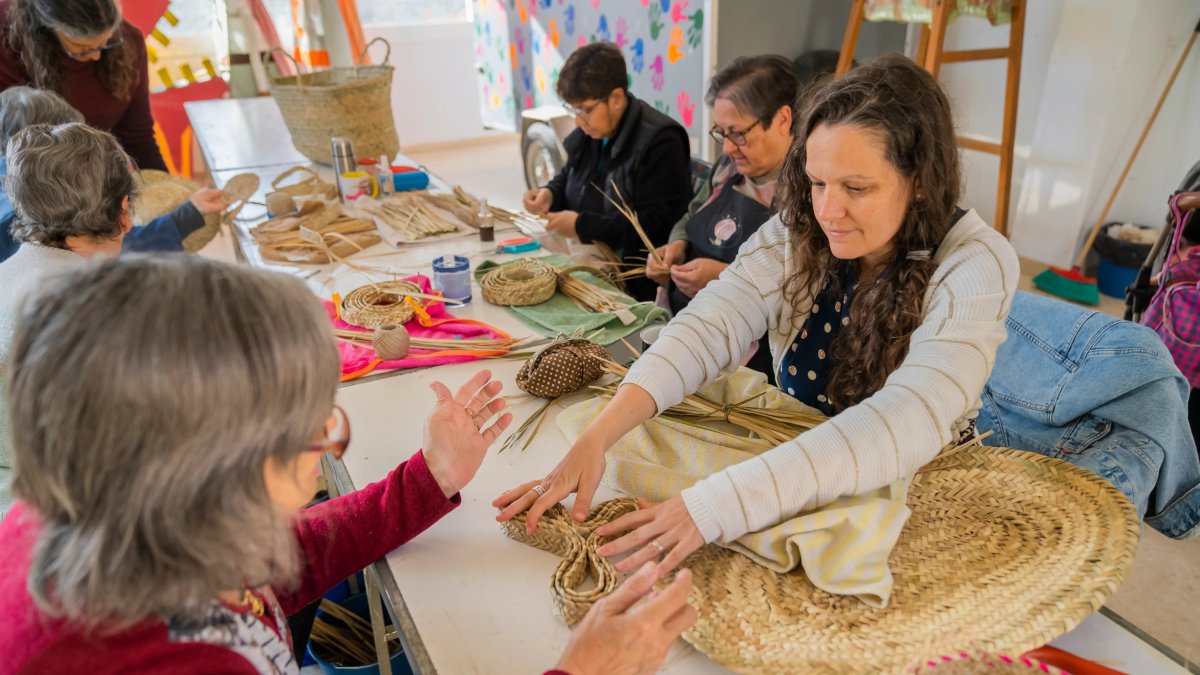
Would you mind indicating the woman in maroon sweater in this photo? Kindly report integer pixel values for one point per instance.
(168, 419)
(85, 51)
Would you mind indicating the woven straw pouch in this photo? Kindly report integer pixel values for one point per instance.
(562, 368)
(1005, 551)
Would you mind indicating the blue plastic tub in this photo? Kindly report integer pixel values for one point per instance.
(358, 604)
(1113, 279)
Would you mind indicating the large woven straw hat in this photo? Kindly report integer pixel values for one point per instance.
(1005, 551)
(159, 193)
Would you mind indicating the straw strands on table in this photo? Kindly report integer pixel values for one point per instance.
(773, 426)
(590, 296)
(394, 349)
(409, 216)
(465, 207)
(525, 282)
(318, 233)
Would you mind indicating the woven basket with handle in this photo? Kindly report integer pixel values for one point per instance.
(352, 102)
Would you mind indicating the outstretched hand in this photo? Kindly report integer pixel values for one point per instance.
(457, 433)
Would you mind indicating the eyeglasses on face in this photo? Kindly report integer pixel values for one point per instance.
(738, 138)
(79, 55)
(336, 439)
(583, 111)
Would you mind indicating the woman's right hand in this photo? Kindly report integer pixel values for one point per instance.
(671, 254)
(620, 635)
(537, 201)
(580, 471)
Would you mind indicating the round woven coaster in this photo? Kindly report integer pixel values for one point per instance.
(524, 282)
(1005, 550)
(378, 305)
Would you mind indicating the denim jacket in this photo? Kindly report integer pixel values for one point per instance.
(1102, 394)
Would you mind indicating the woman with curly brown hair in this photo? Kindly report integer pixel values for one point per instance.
(884, 304)
(86, 52)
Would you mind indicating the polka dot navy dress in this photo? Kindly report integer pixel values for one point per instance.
(806, 364)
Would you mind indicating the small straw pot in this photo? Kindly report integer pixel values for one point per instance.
(352, 102)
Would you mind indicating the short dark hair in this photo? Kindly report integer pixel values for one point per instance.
(758, 86)
(21, 107)
(592, 72)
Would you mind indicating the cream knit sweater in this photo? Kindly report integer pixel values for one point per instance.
(889, 435)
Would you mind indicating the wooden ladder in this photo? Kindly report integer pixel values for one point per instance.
(931, 54)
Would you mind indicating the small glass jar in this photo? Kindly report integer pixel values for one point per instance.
(452, 276)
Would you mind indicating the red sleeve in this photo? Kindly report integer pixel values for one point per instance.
(144, 650)
(135, 129)
(346, 534)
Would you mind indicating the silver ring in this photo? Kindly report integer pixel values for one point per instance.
(661, 551)
(539, 490)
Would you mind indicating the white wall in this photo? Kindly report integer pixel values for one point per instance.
(435, 91)
(1091, 73)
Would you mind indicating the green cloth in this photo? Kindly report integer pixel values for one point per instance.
(561, 316)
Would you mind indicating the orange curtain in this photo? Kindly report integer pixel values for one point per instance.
(354, 30)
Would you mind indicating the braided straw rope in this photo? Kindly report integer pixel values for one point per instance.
(379, 304)
(524, 282)
(1005, 551)
(576, 544)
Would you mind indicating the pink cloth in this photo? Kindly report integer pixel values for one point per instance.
(355, 358)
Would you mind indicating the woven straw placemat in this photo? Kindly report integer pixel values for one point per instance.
(1005, 551)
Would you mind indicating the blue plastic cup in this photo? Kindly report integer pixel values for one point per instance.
(452, 276)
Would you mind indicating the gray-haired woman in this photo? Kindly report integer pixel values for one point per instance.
(169, 416)
(22, 107)
(753, 102)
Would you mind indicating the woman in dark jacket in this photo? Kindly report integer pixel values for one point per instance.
(620, 140)
(86, 52)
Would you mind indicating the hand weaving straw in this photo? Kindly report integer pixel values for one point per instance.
(524, 282)
(576, 543)
(1005, 551)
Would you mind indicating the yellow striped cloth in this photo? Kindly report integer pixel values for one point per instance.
(842, 546)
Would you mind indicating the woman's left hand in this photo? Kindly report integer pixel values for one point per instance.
(562, 223)
(667, 523)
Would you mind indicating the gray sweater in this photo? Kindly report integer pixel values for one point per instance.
(21, 277)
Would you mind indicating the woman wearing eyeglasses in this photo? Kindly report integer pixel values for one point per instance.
(86, 52)
(169, 418)
(623, 140)
(753, 119)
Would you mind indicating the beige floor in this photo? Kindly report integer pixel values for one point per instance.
(1161, 596)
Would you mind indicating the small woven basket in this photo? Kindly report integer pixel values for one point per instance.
(379, 304)
(1005, 550)
(352, 102)
(159, 193)
(524, 282)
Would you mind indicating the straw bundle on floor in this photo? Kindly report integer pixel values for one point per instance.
(1005, 550)
(318, 233)
(576, 543)
(524, 282)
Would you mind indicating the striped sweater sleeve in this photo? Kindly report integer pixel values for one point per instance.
(890, 434)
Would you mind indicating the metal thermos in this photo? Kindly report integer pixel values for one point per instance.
(343, 161)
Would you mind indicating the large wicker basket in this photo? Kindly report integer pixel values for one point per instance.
(352, 102)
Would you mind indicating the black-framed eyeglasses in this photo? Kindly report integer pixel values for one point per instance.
(584, 111)
(115, 41)
(738, 138)
(337, 439)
